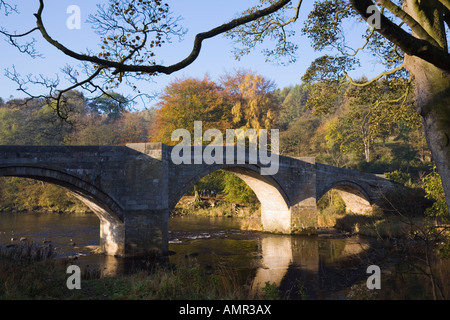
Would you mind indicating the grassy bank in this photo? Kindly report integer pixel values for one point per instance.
(27, 275)
(371, 224)
(249, 215)
(215, 207)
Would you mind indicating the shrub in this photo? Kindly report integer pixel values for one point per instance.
(435, 191)
(399, 177)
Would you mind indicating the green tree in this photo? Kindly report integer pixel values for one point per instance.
(95, 130)
(110, 103)
(297, 141)
(293, 105)
(32, 123)
(435, 191)
(236, 190)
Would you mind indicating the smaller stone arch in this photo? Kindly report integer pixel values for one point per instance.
(356, 199)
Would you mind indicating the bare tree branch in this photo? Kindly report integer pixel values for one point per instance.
(114, 63)
(7, 8)
(295, 17)
(447, 16)
(23, 48)
(152, 69)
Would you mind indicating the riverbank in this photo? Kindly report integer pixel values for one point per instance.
(249, 215)
(26, 279)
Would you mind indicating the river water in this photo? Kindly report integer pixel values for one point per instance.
(330, 265)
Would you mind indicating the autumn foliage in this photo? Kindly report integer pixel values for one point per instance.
(239, 100)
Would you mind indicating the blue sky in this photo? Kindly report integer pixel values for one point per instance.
(215, 59)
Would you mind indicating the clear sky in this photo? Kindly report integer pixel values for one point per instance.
(215, 59)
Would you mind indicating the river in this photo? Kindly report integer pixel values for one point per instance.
(330, 265)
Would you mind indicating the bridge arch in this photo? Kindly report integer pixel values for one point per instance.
(103, 206)
(275, 209)
(356, 198)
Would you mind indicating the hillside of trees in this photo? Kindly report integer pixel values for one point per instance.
(363, 128)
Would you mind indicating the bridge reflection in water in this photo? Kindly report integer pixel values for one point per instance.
(291, 262)
(277, 256)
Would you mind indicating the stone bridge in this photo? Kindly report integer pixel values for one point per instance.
(133, 188)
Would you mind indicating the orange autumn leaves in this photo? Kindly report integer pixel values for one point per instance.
(239, 100)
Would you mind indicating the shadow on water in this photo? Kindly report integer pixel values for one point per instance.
(330, 265)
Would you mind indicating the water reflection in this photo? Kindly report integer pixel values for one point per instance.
(100, 266)
(279, 253)
(293, 261)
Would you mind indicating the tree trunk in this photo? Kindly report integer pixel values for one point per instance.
(432, 88)
(432, 94)
(367, 149)
(366, 139)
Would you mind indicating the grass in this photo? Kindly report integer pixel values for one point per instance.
(376, 224)
(215, 208)
(25, 276)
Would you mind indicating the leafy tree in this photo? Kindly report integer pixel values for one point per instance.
(293, 105)
(297, 141)
(188, 100)
(254, 102)
(33, 124)
(134, 127)
(236, 190)
(95, 130)
(434, 190)
(399, 177)
(110, 103)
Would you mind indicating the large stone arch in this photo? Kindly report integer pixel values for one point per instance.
(105, 208)
(275, 209)
(356, 198)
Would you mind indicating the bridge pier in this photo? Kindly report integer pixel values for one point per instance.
(112, 237)
(146, 233)
(276, 221)
(298, 219)
(142, 233)
(304, 219)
